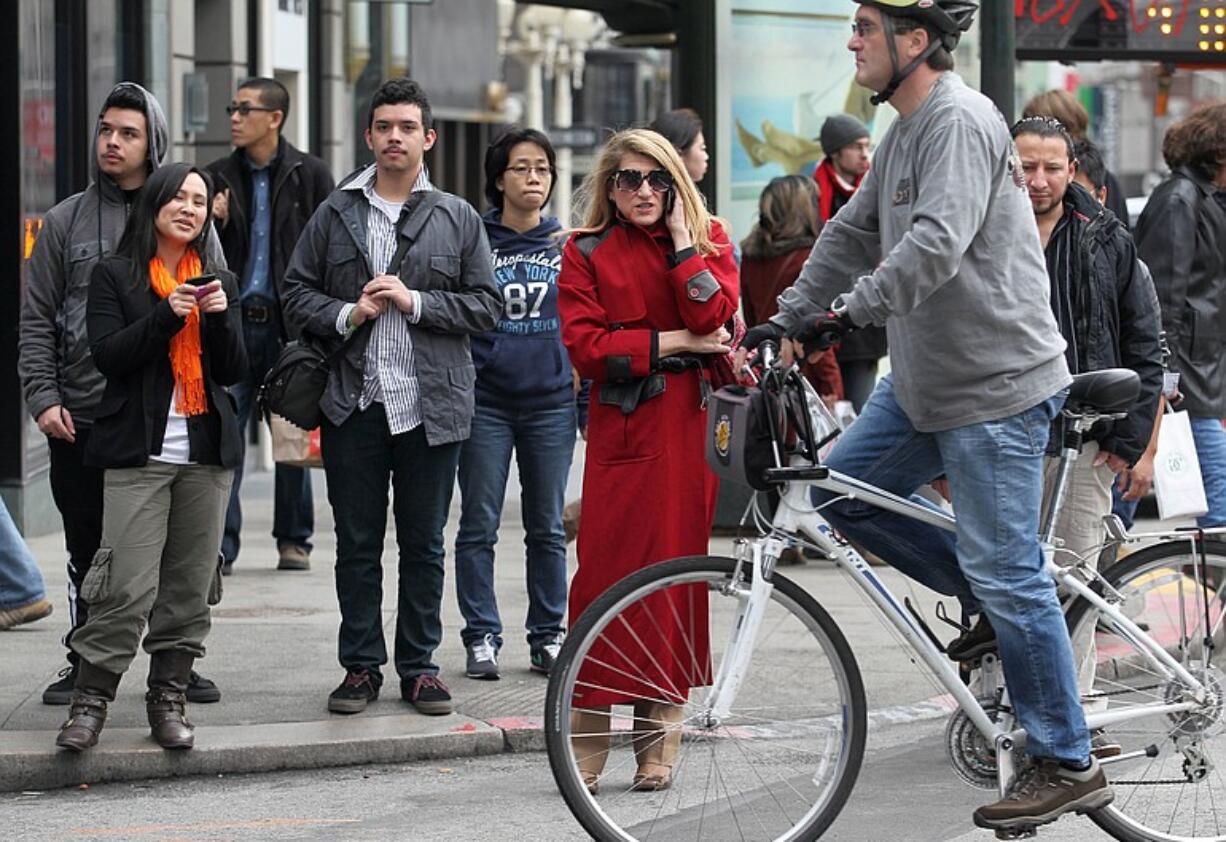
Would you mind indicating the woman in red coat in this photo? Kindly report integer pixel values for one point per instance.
(647, 285)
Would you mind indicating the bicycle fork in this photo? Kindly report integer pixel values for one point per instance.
(751, 605)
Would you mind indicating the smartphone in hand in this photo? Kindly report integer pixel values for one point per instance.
(670, 199)
(202, 285)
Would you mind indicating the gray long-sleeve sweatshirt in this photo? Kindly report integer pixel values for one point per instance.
(939, 244)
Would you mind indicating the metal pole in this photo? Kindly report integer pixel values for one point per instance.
(563, 114)
(997, 51)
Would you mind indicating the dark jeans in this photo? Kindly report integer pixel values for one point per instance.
(77, 491)
(360, 456)
(293, 518)
(543, 441)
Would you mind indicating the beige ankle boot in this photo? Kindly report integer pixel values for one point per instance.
(590, 739)
(657, 726)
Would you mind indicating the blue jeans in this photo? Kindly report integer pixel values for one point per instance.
(995, 471)
(1210, 441)
(360, 457)
(544, 442)
(293, 518)
(21, 582)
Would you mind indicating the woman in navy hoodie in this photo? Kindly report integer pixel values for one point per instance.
(525, 403)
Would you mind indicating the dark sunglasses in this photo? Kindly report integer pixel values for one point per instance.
(245, 108)
(661, 181)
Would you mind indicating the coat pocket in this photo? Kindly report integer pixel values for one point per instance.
(97, 583)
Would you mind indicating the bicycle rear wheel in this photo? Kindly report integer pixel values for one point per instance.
(1169, 782)
(779, 767)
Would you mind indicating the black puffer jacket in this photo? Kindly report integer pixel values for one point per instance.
(1115, 313)
(1181, 235)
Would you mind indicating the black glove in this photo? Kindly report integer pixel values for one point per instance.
(756, 335)
(822, 332)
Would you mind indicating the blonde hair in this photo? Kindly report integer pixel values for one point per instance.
(597, 210)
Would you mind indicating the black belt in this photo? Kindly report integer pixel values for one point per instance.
(257, 313)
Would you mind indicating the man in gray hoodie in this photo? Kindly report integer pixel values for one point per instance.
(938, 245)
(62, 386)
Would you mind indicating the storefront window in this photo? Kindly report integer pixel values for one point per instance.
(376, 48)
(103, 50)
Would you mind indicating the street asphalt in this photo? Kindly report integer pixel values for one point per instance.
(272, 652)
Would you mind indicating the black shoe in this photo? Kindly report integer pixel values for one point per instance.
(201, 691)
(360, 688)
(545, 653)
(227, 568)
(59, 692)
(427, 693)
(975, 643)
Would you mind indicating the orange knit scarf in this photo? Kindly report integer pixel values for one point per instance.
(184, 345)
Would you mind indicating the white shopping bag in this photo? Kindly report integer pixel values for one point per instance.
(1177, 480)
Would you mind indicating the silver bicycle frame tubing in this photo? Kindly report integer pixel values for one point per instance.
(1160, 658)
(854, 489)
(744, 634)
(811, 525)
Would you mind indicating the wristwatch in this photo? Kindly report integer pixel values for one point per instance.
(839, 308)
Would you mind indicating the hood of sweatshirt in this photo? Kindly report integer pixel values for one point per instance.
(158, 132)
(504, 240)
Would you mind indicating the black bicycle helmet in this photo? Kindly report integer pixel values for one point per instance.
(947, 18)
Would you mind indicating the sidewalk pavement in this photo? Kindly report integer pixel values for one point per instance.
(272, 651)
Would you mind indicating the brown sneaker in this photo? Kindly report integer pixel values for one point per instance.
(27, 613)
(294, 557)
(1045, 791)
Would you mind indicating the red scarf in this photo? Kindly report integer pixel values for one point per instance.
(184, 345)
(828, 181)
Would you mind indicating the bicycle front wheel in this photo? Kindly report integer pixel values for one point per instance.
(631, 686)
(1167, 771)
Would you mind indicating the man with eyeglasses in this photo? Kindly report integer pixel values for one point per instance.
(266, 191)
(940, 246)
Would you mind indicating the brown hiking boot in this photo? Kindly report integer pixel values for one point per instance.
(1045, 791)
(168, 723)
(166, 701)
(85, 720)
(94, 687)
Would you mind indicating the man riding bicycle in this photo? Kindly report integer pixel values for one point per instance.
(938, 245)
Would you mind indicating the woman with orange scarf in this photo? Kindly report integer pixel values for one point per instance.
(168, 340)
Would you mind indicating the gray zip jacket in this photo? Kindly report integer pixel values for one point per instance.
(55, 363)
(939, 244)
(448, 264)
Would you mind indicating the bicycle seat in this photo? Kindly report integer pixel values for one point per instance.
(1103, 392)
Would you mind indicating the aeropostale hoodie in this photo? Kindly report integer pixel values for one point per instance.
(521, 363)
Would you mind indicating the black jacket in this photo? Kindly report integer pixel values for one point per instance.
(299, 184)
(130, 329)
(1182, 236)
(1116, 317)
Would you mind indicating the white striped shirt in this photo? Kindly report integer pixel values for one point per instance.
(389, 373)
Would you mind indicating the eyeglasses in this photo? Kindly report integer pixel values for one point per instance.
(661, 181)
(863, 28)
(245, 108)
(522, 171)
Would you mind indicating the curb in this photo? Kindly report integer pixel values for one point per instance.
(27, 761)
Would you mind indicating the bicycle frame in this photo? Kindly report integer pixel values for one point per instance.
(796, 514)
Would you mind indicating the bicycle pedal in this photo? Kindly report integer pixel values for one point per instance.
(1028, 831)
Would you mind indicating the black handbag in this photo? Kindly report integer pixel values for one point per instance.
(294, 386)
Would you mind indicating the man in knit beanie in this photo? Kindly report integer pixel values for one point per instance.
(845, 143)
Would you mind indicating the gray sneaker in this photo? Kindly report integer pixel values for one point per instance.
(482, 659)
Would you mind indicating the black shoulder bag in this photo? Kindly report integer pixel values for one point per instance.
(294, 386)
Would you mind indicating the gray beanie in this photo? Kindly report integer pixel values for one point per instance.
(840, 130)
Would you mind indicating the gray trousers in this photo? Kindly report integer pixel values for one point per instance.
(162, 527)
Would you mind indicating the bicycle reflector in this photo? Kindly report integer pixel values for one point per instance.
(738, 436)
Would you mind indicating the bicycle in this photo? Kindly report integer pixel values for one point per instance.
(761, 758)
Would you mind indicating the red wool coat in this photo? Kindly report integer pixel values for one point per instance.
(648, 494)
